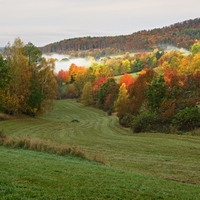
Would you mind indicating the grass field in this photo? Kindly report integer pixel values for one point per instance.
(141, 166)
(34, 175)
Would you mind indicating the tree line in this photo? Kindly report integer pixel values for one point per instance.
(164, 95)
(181, 35)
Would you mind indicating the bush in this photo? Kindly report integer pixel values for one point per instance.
(126, 120)
(187, 119)
(98, 157)
(143, 122)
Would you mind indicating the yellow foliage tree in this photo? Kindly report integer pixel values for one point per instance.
(33, 84)
(121, 103)
(17, 93)
(87, 98)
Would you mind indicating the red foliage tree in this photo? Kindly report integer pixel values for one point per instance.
(137, 90)
(98, 83)
(63, 76)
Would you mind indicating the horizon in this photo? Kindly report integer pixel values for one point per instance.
(2, 47)
(45, 22)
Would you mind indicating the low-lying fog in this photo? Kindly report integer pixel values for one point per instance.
(63, 61)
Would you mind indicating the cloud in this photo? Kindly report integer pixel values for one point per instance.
(46, 21)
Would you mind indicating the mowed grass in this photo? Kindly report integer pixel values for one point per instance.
(175, 158)
(34, 175)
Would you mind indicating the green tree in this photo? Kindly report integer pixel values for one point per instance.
(104, 91)
(87, 98)
(33, 54)
(4, 73)
(4, 79)
(156, 93)
(195, 48)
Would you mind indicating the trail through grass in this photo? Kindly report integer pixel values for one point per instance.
(173, 157)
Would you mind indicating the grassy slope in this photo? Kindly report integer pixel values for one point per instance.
(34, 175)
(174, 157)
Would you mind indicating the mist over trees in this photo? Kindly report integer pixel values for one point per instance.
(147, 91)
(178, 35)
(162, 95)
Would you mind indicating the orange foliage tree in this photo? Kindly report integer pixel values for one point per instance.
(137, 90)
(127, 79)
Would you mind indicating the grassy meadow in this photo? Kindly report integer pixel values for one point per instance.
(138, 166)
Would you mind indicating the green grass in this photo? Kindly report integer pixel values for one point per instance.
(34, 175)
(132, 74)
(151, 156)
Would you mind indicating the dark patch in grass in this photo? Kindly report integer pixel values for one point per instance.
(75, 120)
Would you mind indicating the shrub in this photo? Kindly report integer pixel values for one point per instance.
(78, 152)
(109, 112)
(41, 145)
(126, 120)
(143, 122)
(187, 119)
(98, 157)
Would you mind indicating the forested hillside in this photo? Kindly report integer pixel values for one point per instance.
(164, 93)
(182, 35)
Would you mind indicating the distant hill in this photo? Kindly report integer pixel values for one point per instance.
(181, 35)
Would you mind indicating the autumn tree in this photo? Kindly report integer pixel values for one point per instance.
(87, 97)
(33, 85)
(48, 84)
(17, 93)
(185, 66)
(138, 89)
(101, 70)
(112, 95)
(195, 63)
(127, 79)
(44, 86)
(63, 76)
(121, 104)
(105, 89)
(96, 87)
(195, 47)
(126, 66)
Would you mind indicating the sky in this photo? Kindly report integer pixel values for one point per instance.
(46, 21)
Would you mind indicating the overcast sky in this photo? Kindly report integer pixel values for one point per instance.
(45, 21)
